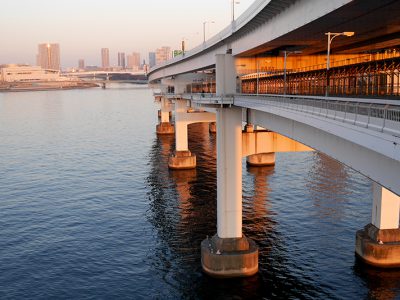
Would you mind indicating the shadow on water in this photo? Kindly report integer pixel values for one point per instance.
(182, 210)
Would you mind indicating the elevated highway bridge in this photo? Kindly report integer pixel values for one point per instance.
(270, 68)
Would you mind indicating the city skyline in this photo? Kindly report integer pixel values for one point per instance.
(126, 27)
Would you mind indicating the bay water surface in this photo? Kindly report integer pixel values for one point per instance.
(89, 209)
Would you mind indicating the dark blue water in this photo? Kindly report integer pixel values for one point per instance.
(89, 210)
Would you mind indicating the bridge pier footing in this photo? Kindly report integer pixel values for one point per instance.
(229, 257)
(182, 158)
(229, 253)
(261, 160)
(212, 127)
(378, 244)
(165, 127)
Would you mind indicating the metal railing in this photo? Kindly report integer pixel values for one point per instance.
(376, 114)
(380, 115)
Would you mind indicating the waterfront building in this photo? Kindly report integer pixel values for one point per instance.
(105, 58)
(163, 54)
(121, 60)
(48, 56)
(134, 61)
(25, 73)
(81, 64)
(152, 59)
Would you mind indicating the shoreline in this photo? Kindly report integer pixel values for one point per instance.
(45, 86)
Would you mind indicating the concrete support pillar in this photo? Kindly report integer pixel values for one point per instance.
(212, 127)
(229, 253)
(165, 110)
(259, 159)
(385, 208)
(165, 127)
(225, 76)
(182, 158)
(378, 243)
(229, 173)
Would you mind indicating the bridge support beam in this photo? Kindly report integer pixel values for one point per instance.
(182, 158)
(378, 243)
(229, 253)
(165, 127)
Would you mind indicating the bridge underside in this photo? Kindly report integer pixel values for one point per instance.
(336, 139)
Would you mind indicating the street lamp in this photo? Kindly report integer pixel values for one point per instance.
(331, 36)
(204, 29)
(286, 54)
(233, 9)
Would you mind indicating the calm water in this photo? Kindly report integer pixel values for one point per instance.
(89, 210)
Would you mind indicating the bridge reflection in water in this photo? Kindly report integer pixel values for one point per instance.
(297, 229)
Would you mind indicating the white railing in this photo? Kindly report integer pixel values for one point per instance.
(376, 114)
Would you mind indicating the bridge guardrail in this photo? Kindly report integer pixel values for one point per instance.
(210, 98)
(369, 113)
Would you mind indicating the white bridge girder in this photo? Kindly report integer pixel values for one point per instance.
(375, 156)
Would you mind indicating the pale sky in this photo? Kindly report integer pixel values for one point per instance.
(83, 27)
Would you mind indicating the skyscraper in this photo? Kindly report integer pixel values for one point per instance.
(81, 64)
(152, 59)
(48, 56)
(105, 58)
(121, 60)
(134, 61)
(163, 54)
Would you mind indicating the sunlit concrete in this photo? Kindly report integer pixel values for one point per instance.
(378, 243)
(182, 158)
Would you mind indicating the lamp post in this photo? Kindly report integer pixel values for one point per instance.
(286, 54)
(331, 36)
(233, 9)
(204, 29)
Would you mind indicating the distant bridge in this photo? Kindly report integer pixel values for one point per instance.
(110, 76)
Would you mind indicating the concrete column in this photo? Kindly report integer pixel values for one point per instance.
(165, 127)
(229, 253)
(182, 158)
(181, 132)
(165, 110)
(378, 243)
(229, 173)
(225, 77)
(385, 208)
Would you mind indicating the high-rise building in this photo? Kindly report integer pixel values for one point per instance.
(48, 56)
(105, 58)
(81, 64)
(121, 60)
(163, 54)
(152, 59)
(134, 61)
